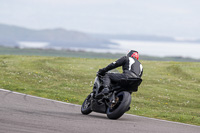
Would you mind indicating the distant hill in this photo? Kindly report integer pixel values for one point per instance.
(13, 35)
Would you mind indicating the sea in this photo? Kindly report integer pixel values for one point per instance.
(160, 49)
(149, 48)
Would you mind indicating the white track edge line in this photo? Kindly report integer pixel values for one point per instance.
(163, 120)
(38, 97)
(80, 106)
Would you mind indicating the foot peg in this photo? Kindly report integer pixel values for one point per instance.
(128, 108)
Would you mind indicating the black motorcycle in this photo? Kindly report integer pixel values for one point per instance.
(116, 103)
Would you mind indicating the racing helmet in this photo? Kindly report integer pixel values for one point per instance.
(134, 54)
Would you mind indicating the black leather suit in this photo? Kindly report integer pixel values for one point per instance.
(132, 68)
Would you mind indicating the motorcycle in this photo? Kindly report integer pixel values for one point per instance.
(116, 103)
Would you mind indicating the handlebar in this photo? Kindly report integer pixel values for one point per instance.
(99, 75)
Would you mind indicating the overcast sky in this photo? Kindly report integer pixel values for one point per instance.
(178, 18)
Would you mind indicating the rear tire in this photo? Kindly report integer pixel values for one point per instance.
(121, 106)
(86, 106)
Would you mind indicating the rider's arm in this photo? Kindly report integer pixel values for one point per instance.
(116, 64)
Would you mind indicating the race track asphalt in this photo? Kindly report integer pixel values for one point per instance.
(21, 113)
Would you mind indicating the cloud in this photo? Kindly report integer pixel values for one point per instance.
(105, 16)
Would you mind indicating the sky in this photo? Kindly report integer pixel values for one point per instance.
(175, 18)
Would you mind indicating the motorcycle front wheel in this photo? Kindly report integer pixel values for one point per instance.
(86, 106)
(116, 110)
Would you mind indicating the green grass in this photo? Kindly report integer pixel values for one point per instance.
(170, 90)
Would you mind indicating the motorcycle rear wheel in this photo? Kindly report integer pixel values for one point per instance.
(120, 107)
(86, 106)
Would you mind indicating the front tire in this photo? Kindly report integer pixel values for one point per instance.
(121, 106)
(86, 106)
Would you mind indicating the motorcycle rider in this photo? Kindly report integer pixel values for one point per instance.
(132, 68)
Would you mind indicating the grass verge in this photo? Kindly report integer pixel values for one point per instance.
(170, 90)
